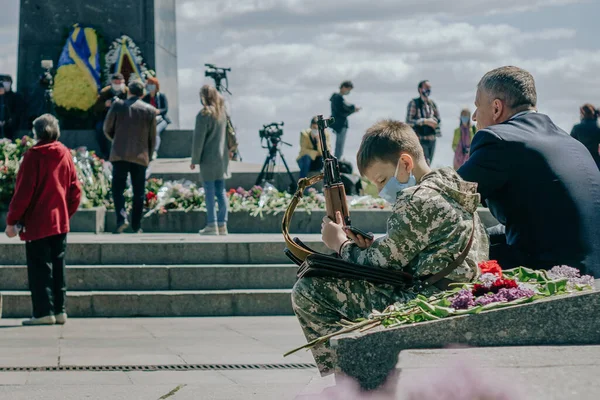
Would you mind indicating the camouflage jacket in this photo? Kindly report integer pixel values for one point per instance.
(430, 225)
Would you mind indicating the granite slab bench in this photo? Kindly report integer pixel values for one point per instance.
(574, 319)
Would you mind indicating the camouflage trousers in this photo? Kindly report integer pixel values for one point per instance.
(321, 303)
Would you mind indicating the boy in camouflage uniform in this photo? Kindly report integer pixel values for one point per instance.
(430, 225)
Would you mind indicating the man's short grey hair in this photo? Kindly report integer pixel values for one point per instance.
(46, 128)
(513, 85)
(136, 88)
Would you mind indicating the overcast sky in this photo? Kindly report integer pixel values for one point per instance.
(289, 56)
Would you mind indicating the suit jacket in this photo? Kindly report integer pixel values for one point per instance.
(544, 187)
(209, 146)
(131, 125)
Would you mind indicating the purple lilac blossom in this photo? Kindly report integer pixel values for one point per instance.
(572, 274)
(504, 295)
(462, 300)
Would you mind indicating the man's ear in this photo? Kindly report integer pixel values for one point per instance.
(498, 109)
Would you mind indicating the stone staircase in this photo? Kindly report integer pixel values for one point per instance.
(162, 275)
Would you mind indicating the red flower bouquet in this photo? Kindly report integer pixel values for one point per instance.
(490, 267)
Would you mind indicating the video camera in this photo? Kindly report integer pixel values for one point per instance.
(47, 78)
(271, 131)
(218, 74)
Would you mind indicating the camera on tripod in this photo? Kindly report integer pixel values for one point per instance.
(218, 75)
(272, 132)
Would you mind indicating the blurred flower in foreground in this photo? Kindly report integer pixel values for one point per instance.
(456, 381)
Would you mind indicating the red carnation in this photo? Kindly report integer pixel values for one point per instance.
(490, 267)
(480, 290)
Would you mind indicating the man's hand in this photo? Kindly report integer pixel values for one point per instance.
(157, 111)
(11, 231)
(108, 103)
(192, 166)
(359, 240)
(333, 234)
(430, 122)
(357, 109)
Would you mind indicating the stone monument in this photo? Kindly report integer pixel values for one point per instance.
(149, 23)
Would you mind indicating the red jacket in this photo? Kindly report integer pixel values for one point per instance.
(47, 193)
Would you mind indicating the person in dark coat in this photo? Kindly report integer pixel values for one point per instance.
(539, 183)
(340, 111)
(588, 131)
(159, 101)
(116, 91)
(47, 194)
(11, 109)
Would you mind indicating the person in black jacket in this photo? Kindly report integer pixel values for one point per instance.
(11, 109)
(340, 111)
(538, 182)
(588, 131)
(159, 101)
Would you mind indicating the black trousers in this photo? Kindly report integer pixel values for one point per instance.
(428, 149)
(119, 183)
(46, 274)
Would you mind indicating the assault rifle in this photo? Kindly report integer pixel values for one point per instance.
(333, 187)
(335, 197)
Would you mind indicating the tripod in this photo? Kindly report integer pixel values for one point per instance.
(267, 173)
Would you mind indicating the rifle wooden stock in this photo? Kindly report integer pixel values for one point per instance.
(335, 201)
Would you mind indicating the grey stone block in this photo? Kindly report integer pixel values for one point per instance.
(160, 253)
(89, 220)
(567, 320)
(232, 277)
(192, 277)
(179, 221)
(176, 143)
(161, 304)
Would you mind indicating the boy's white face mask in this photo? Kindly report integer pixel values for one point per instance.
(393, 186)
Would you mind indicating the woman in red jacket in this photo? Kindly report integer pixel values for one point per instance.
(47, 194)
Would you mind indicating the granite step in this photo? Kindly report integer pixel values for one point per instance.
(173, 303)
(162, 277)
(166, 249)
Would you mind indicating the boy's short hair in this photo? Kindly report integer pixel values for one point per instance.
(347, 84)
(384, 141)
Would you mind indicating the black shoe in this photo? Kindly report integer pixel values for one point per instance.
(121, 228)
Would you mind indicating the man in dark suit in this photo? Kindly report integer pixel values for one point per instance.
(131, 126)
(540, 183)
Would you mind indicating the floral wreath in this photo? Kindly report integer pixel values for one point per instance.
(124, 54)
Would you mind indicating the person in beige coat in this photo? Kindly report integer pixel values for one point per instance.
(210, 152)
(310, 157)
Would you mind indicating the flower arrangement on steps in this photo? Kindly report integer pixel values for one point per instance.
(95, 178)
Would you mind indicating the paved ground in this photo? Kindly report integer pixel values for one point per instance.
(541, 373)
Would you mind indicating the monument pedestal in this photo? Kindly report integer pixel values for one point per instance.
(44, 26)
